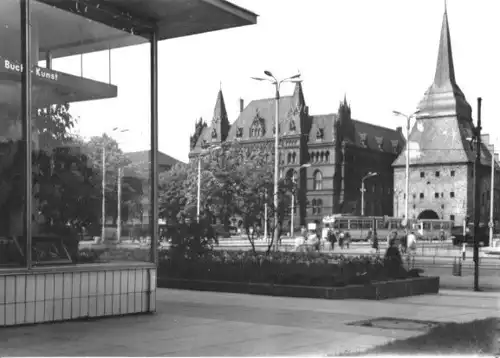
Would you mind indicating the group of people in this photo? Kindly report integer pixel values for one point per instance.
(315, 240)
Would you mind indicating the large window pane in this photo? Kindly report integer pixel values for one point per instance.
(93, 125)
(12, 148)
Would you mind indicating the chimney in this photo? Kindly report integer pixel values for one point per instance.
(242, 105)
(485, 138)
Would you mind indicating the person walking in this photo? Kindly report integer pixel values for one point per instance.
(347, 239)
(375, 245)
(332, 239)
(341, 240)
(411, 243)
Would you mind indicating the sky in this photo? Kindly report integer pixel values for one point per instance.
(380, 54)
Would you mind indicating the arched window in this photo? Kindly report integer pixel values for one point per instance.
(319, 206)
(327, 157)
(313, 203)
(322, 157)
(294, 157)
(317, 180)
(289, 158)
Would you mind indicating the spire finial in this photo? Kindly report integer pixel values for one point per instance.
(220, 85)
(445, 7)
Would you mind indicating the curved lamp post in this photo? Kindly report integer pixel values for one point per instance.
(407, 171)
(277, 84)
(369, 175)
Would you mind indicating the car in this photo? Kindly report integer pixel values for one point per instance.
(457, 235)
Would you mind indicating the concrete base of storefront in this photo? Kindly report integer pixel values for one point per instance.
(67, 293)
(374, 291)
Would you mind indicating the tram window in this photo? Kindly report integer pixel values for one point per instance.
(381, 224)
(354, 224)
(427, 226)
(367, 224)
(344, 224)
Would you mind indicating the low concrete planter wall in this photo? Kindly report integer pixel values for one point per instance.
(374, 291)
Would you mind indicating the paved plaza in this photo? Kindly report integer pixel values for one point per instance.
(191, 323)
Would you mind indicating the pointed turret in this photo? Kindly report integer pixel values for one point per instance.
(298, 96)
(346, 131)
(220, 122)
(444, 97)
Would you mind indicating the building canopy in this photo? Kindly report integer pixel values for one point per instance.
(172, 18)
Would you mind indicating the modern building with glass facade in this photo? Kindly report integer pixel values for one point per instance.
(73, 239)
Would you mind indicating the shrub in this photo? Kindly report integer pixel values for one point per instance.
(287, 268)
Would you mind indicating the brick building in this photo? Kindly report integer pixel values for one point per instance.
(341, 151)
(441, 155)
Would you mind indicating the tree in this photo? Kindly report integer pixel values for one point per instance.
(131, 185)
(172, 198)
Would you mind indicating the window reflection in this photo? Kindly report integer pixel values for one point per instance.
(91, 195)
(12, 158)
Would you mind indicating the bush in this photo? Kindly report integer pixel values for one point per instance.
(285, 268)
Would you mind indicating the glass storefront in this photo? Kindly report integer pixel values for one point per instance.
(13, 158)
(90, 199)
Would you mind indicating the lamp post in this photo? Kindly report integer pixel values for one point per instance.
(407, 170)
(307, 165)
(492, 193)
(369, 175)
(103, 208)
(277, 83)
(477, 196)
(198, 195)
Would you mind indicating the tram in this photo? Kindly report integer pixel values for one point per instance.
(360, 226)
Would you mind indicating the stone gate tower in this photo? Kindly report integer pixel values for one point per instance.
(441, 154)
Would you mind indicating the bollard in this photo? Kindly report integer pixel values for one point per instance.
(457, 267)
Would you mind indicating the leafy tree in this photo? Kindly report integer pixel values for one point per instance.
(172, 200)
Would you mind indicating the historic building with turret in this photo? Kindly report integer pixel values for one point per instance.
(341, 151)
(442, 156)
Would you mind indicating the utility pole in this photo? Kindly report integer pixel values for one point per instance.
(492, 193)
(477, 196)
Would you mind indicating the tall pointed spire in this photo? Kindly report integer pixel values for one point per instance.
(220, 121)
(445, 71)
(444, 97)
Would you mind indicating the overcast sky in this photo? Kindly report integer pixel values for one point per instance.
(381, 54)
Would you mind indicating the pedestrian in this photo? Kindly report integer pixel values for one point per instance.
(347, 239)
(341, 240)
(375, 243)
(411, 244)
(332, 239)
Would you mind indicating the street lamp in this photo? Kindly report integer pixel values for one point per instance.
(277, 83)
(407, 184)
(369, 175)
(307, 165)
(203, 152)
(118, 224)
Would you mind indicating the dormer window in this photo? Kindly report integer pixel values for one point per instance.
(204, 143)
(292, 125)
(380, 142)
(363, 139)
(239, 132)
(320, 134)
(395, 146)
(214, 133)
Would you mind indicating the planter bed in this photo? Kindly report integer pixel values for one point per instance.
(370, 291)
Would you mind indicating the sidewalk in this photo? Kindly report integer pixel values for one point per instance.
(190, 323)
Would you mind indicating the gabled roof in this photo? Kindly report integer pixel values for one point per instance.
(375, 133)
(442, 141)
(324, 123)
(141, 157)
